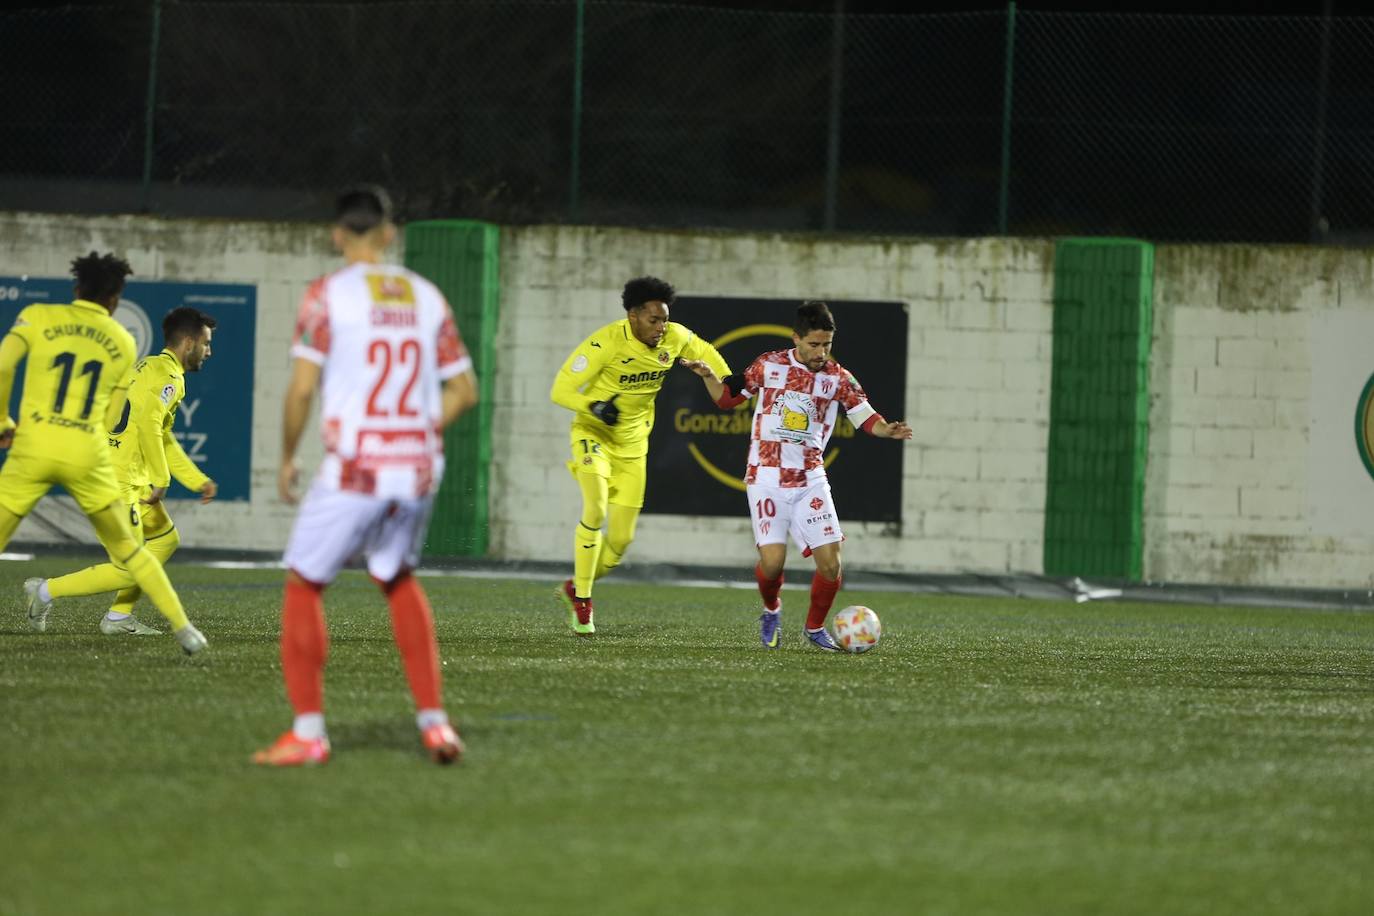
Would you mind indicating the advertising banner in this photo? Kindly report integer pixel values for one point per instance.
(698, 452)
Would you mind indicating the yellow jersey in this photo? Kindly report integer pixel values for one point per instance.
(142, 446)
(612, 361)
(77, 356)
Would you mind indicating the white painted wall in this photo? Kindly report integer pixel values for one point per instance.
(1243, 456)
(977, 385)
(1259, 357)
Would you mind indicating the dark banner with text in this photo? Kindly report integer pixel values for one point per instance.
(698, 452)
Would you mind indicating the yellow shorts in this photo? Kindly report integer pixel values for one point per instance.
(25, 478)
(149, 522)
(624, 476)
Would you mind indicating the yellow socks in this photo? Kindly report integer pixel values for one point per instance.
(586, 553)
(106, 577)
(161, 546)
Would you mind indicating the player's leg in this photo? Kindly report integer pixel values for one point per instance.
(95, 490)
(588, 539)
(22, 485)
(591, 468)
(160, 538)
(769, 511)
(102, 577)
(9, 523)
(392, 553)
(330, 527)
(112, 528)
(626, 498)
(817, 526)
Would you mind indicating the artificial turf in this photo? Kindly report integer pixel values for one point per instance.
(991, 756)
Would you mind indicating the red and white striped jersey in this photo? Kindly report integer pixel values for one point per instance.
(386, 340)
(795, 414)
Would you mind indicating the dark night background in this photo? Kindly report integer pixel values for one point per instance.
(1169, 121)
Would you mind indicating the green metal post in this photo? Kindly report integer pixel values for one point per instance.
(832, 149)
(1004, 191)
(150, 107)
(574, 178)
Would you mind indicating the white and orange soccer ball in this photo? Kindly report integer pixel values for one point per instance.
(857, 628)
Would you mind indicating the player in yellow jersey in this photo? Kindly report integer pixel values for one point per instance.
(146, 456)
(75, 384)
(609, 383)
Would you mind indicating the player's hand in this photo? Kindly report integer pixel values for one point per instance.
(698, 366)
(606, 411)
(286, 482)
(896, 429)
(208, 491)
(155, 496)
(7, 438)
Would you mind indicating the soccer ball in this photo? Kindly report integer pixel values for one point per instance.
(857, 628)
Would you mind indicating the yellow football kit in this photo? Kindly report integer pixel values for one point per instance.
(76, 356)
(77, 364)
(608, 462)
(146, 455)
(142, 446)
(612, 361)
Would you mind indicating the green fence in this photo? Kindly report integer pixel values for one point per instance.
(1099, 407)
(653, 113)
(462, 258)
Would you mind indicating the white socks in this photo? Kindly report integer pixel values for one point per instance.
(309, 726)
(428, 718)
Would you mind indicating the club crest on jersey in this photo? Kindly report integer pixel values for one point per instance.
(168, 392)
(795, 410)
(391, 292)
(663, 358)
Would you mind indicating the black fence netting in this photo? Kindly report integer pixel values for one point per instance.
(639, 113)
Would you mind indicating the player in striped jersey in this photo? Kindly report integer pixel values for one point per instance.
(799, 394)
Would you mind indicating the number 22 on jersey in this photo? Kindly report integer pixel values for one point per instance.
(401, 359)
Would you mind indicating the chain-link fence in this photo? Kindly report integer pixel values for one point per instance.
(519, 111)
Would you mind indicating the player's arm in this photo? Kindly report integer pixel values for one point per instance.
(863, 415)
(300, 391)
(706, 361)
(458, 396)
(12, 350)
(184, 469)
(148, 413)
(118, 403)
(579, 370)
(459, 393)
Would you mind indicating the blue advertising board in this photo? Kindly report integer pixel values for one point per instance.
(215, 420)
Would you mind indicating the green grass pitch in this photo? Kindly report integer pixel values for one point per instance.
(991, 756)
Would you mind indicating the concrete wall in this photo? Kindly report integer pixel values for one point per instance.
(1230, 496)
(1240, 442)
(977, 384)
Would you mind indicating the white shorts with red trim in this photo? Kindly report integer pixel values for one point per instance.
(335, 526)
(807, 513)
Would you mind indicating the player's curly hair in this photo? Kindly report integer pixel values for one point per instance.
(184, 322)
(813, 315)
(99, 276)
(362, 208)
(647, 289)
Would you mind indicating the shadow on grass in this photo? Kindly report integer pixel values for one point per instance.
(391, 734)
